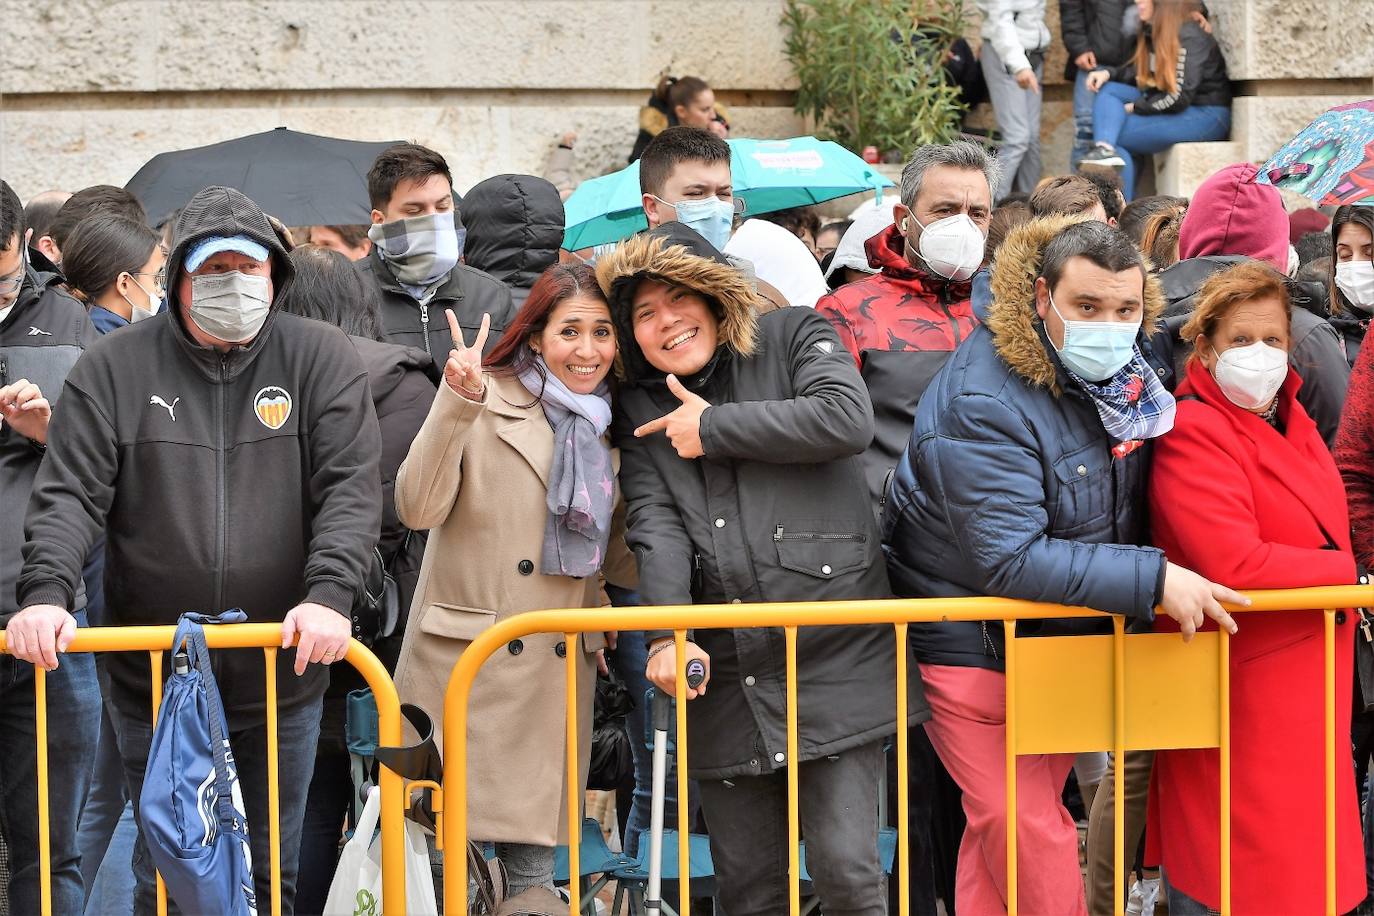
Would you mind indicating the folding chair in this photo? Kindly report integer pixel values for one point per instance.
(594, 858)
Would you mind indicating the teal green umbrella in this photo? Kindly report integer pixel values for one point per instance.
(767, 175)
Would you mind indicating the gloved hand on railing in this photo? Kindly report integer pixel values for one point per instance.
(662, 668)
(1190, 599)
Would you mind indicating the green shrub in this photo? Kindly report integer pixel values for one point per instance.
(870, 72)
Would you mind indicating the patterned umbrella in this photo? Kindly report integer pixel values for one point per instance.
(1331, 160)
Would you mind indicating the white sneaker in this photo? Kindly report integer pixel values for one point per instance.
(1144, 896)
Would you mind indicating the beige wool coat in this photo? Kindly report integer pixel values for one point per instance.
(477, 476)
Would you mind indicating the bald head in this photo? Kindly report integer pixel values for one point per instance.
(40, 210)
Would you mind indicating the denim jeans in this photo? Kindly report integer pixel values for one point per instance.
(108, 795)
(73, 723)
(1083, 100)
(838, 810)
(1180, 904)
(1142, 135)
(298, 733)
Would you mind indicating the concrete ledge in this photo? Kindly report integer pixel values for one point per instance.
(1186, 165)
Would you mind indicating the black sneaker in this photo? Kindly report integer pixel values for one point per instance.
(1104, 154)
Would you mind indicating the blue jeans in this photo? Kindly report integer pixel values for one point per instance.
(73, 723)
(1083, 101)
(107, 798)
(1180, 904)
(1141, 135)
(298, 733)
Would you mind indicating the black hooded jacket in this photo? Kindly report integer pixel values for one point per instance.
(777, 510)
(240, 479)
(41, 338)
(515, 228)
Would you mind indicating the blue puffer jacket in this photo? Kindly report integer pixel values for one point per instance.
(1009, 487)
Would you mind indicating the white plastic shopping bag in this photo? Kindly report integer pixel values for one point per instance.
(357, 886)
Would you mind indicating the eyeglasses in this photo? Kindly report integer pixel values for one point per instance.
(160, 278)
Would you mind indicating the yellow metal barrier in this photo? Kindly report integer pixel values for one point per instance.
(156, 640)
(1129, 692)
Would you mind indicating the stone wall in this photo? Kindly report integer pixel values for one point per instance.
(90, 89)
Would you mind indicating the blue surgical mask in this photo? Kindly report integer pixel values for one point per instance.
(711, 218)
(1096, 350)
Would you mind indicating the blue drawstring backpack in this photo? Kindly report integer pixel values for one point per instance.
(190, 807)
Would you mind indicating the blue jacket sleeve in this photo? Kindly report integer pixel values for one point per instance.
(985, 460)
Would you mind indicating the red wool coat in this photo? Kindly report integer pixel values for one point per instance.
(1250, 507)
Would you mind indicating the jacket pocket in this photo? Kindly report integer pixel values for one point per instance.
(1083, 492)
(821, 549)
(453, 621)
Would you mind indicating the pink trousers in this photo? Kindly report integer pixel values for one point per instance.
(968, 730)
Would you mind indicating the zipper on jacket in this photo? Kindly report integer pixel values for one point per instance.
(779, 534)
(989, 647)
(221, 486)
(424, 327)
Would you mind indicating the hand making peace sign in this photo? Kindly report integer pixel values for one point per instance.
(463, 371)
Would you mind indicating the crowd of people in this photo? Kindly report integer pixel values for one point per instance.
(998, 385)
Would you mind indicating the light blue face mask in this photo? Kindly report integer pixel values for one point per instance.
(1096, 350)
(711, 218)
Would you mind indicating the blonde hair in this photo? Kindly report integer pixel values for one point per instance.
(1223, 291)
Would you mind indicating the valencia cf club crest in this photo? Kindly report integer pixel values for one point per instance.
(273, 406)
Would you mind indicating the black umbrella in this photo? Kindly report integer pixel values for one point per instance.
(301, 179)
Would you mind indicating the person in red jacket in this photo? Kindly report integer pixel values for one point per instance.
(901, 325)
(1245, 492)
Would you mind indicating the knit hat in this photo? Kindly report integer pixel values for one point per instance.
(1232, 215)
(1301, 222)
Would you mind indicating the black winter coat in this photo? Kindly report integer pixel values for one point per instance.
(402, 381)
(1095, 25)
(243, 479)
(515, 228)
(41, 338)
(777, 510)
(469, 292)
(1316, 353)
(1201, 75)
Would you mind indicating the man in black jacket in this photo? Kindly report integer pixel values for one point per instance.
(417, 244)
(740, 436)
(43, 332)
(230, 453)
(1094, 36)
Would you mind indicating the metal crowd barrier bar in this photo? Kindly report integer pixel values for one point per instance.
(266, 636)
(1155, 692)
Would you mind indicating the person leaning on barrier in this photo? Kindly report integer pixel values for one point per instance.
(1244, 490)
(1025, 478)
(43, 332)
(740, 435)
(497, 449)
(230, 454)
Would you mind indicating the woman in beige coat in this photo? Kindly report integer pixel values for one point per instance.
(513, 474)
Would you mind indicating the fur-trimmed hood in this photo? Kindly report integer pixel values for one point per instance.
(675, 254)
(1012, 319)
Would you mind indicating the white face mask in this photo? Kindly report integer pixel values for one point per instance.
(138, 313)
(952, 247)
(1250, 376)
(230, 306)
(1355, 280)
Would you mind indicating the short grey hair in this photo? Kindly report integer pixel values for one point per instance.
(961, 154)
